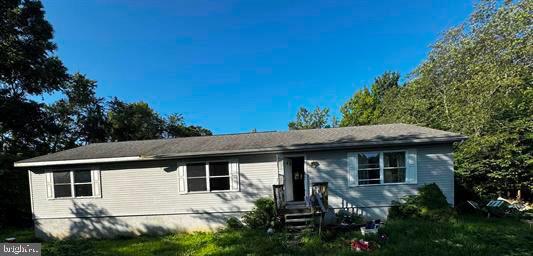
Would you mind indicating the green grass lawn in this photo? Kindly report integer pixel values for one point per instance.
(465, 236)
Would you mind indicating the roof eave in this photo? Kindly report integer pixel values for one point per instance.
(311, 147)
(79, 161)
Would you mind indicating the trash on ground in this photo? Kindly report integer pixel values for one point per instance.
(371, 227)
(11, 240)
(360, 245)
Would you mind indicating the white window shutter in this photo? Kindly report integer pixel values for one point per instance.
(352, 169)
(412, 173)
(182, 179)
(49, 185)
(234, 175)
(97, 185)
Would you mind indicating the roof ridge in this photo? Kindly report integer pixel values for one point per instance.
(259, 132)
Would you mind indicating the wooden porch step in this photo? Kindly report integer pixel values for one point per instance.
(298, 228)
(296, 215)
(298, 220)
(295, 205)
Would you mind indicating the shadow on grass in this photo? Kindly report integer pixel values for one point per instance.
(467, 236)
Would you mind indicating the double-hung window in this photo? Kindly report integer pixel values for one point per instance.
(385, 167)
(219, 176)
(197, 177)
(76, 183)
(368, 168)
(394, 168)
(208, 176)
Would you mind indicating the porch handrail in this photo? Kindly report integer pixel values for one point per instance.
(279, 197)
(320, 191)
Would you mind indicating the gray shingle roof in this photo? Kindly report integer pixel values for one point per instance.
(359, 136)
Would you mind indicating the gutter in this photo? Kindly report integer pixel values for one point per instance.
(310, 147)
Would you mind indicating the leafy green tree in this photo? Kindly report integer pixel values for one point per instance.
(27, 64)
(384, 83)
(361, 109)
(175, 127)
(480, 76)
(476, 81)
(133, 121)
(77, 119)
(88, 109)
(366, 106)
(137, 121)
(318, 118)
(28, 67)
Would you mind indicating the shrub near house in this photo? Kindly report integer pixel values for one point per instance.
(429, 203)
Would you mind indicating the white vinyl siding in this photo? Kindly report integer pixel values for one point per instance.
(159, 187)
(145, 188)
(434, 164)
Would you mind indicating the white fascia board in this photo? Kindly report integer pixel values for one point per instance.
(82, 161)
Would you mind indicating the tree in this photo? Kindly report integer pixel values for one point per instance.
(480, 75)
(27, 63)
(360, 109)
(175, 127)
(133, 121)
(88, 110)
(384, 83)
(28, 67)
(137, 121)
(77, 119)
(476, 81)
(366, 106)
(319, 118)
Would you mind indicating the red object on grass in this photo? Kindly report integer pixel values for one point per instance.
(360, 245)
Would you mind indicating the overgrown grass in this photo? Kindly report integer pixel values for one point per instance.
(465, 236)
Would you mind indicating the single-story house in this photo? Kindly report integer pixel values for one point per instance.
(196, 183)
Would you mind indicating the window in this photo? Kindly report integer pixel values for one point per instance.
(394, 167)
(73, 183)
(82, 183)
(62, 184)
(219, 176)
(368, 168)
(381, 167)
(211, 176)
(196, 177)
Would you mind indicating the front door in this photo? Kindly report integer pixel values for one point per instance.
(298, 178)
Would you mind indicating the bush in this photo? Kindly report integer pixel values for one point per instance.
(233, 223)
(344, 216)
(262, 215)
(429, 203)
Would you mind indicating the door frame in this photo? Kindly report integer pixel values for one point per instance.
(306, 176)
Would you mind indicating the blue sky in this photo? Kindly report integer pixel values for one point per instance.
(232, 66)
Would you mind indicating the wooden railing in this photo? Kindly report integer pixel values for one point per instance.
(319, 191)
(279, 197)
(318, 199)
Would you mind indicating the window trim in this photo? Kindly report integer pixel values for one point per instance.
(72, 184)
(382, 168)
(207, 176)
